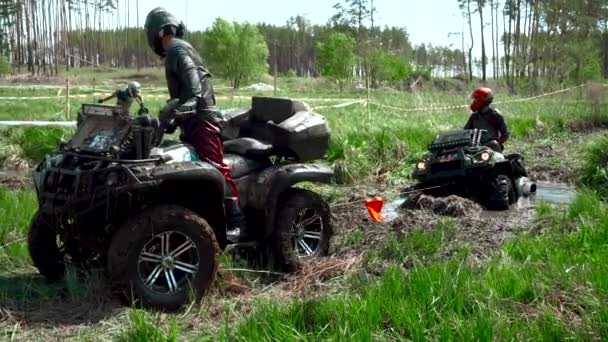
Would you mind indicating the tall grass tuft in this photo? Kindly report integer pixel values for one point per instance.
(594, 171)
(37, 142)
(143, 328)
(16, 210)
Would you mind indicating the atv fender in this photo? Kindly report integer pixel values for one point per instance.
(198, 186)
(271, 184)
(504, 167)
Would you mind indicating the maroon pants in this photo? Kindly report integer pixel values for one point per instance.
(207, 141)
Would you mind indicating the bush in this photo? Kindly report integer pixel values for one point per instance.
(37, 142)
(5, 66)
(594, 171)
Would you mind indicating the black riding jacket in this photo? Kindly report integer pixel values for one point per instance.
(188, 80)
(493, 122)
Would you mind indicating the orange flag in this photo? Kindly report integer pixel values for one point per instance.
(374, 208)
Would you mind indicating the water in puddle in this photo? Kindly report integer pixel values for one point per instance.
(554, 193)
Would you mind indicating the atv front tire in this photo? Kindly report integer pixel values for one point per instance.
(303, 229)
(502, 195)
(44, 249)
(163, 258)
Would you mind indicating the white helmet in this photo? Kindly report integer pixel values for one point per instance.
(134, 88)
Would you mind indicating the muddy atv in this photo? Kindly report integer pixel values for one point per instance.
(119, 197)
(466, 163)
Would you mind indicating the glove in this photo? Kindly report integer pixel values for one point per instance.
(100, 101)
(143, 110)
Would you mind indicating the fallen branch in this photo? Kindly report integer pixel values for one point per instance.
(250, 271)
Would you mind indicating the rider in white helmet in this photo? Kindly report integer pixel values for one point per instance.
(124, 97)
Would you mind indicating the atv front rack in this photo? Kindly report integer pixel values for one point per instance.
(460, 138)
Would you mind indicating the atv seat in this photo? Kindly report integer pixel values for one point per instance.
(247, 146)
(241, 166)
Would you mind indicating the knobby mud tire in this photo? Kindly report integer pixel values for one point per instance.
(282, 251)
(44, 250)
(130, 239)
(502, 184)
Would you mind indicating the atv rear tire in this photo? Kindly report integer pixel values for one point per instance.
(162, 257)
(44, 249)
(303, 229)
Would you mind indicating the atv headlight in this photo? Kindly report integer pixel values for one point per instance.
(482, 157)
(421, 166)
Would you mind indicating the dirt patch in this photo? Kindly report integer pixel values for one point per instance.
(15, 183)
(452, 206)
(16, 179)
(483, 231)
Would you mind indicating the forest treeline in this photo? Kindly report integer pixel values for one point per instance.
(523, 41)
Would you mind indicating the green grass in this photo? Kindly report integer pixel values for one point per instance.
(539, 287)
(548, 284)
(379, 142)
(16, 211)
(594, 172)
(144, 328)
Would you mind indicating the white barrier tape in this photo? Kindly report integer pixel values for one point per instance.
(543, 95)
(420, 109)
(447, 107)
(12, 98)
(341, 105)
(38, 123)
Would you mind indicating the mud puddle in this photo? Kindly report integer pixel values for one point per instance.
(554, 193)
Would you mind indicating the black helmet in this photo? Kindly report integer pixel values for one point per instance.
(156, 22)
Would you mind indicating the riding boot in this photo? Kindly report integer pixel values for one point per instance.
(237, 222)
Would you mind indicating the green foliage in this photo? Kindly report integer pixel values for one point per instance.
(143, 328)
(592, 69)
(37, 142)
(16, 210)
(336, 57)
(389, 67)
(5, 66)
(236, 51)
(594, 171)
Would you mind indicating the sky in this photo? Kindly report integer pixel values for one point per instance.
(426, 21)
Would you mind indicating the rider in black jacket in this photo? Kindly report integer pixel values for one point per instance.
(191, 91)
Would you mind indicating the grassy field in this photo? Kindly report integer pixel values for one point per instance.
(545, 283)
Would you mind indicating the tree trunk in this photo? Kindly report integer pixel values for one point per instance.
(472, 42)
(28, 26)
(139, 41)
(508, 48)
(19, 55)
(464, 54)
(494, 64)
(517, 41)
(483, 44)
(497, 41)
(605, 36)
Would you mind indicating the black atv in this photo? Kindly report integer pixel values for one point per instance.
(469, 164)
(148, 211)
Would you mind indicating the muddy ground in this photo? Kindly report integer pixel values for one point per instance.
(481, 231)
(239, 286)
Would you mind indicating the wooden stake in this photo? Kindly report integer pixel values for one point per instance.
(67, 98)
